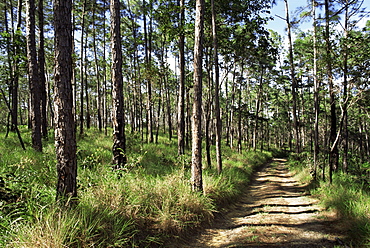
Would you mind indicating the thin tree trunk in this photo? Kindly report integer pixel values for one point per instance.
(181, 97)
(188, 120)
(232, 109)
(16, 69)
(240, 132)
(97, 72)
(217, 90)
(41, 65)
(196, 168)
(345, 92)
(333, 155)
(82, 70)
(169, 119)
(158, 113)
(10, 114)
(258, 107)
(104, 107)
(148, 79)
(294, 82)
(87, 97)
(316, 92)
(208, 109)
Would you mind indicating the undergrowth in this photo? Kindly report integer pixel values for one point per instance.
(347, 195)
(150, 201)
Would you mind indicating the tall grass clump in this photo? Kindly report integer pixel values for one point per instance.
(347, 195)
(225, 188)
(351, 200)
(142, 205)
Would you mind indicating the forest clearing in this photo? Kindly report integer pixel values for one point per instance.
(128, 123)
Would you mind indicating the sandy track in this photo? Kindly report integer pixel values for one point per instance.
(274, 212)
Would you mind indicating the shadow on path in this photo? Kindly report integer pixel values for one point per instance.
(275, 211)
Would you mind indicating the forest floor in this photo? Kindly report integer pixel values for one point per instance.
(275, 211)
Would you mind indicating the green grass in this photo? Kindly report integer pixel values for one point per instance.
(352, 201)
(348, 196)
(150, 202)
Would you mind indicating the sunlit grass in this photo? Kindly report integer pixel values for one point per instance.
(352, 202)
(346, 195)
(142, 205)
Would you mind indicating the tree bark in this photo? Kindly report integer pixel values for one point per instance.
(86, 87)
(181, 97)
(217, 90)
(41, 66)
(82, 69)
(196, 169)
(316, 93)
(97, 72)
(148, 79)
(34, 83)
(334, 153)
(65, 137)
(119, 138)
(345, 91)
(15, 73)
(294, 82)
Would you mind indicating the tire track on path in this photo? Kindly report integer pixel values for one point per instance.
(275, 211)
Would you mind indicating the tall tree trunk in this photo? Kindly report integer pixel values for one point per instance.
(169, 118)
(159, 112)
(316, 92)
(11, 73)
(240, 131)
(217, 90)
(187, 120)
(148, 79)
(104, 106)
(34, 83)
(232, 109)
(294, 82)
(65, 137)
(258, 108)
(333, 155)
(82, 69)
(196, 168)
(119, 138)
(16, 69)
(87, 96)
(97, 72)
(181, 97)
(227, 113)
(41, 65)
(345, 92)
(208, 109)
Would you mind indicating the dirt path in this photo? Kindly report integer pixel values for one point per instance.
(274, 212)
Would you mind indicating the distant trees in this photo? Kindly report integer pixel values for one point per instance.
(245, 88)
(336, 89)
